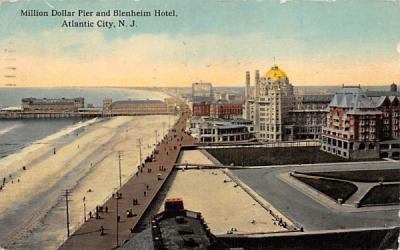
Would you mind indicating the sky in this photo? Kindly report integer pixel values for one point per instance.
(316, 42)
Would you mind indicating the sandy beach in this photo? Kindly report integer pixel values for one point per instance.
(223, 204)
(32, 208)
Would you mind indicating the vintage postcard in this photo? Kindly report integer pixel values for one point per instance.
(199, 124)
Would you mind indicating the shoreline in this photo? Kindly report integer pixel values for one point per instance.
(97, 144)
(28, 148)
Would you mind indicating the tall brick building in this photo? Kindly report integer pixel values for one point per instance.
(201, 109)
(226, 109)
(220, 109)
(359, 121)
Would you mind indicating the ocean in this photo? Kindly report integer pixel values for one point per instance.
(17, 134)
(32, 214)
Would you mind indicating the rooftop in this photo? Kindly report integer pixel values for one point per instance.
(184, 231)
(51, 100)
(275, 73)
(316, 98)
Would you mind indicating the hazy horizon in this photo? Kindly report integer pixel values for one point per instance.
(317, 43)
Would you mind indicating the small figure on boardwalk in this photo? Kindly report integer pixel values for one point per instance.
(129, 213)
(106, 209)
(101, 230)
(144, 193)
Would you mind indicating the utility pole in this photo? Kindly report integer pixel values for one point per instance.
(84, 208)
(117, 218)
(119, 167)
(67, 205)
(140, 150)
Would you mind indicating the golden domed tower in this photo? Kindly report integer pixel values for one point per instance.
(276, 74)
(269, 108)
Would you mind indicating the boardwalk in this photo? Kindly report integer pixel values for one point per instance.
(144, 187)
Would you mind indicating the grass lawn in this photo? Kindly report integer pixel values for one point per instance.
(361, 175)
(272, 156)
(382, 195)
(332, 188)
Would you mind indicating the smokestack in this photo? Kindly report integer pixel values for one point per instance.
(257, 79)
(247, 84)
(256, 104)
(247, 96)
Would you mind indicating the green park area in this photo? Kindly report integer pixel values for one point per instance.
(264, 156)
(332, 188)
(378, 175)
(382, 195)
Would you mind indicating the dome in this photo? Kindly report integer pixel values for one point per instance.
(275, 74)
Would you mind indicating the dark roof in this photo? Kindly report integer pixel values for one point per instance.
(183, 231)
(63, 100)
(316, 98)
(353, 98)
(382, 93)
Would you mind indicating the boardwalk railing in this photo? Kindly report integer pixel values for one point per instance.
(307, 143)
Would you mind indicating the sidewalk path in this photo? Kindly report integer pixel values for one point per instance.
(143, 187)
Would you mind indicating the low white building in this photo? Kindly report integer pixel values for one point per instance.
(211, 130)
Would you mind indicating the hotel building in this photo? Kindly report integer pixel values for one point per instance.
(136, 107)
(269, 103)
(362, 124)
(52, 105)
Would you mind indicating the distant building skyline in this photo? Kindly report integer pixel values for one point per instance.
(316, 42)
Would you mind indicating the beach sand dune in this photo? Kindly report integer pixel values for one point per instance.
(32, 208)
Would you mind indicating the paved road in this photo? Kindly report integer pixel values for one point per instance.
(308, 213)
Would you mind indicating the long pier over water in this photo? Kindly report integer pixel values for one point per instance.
(13, 115)
(108, 231)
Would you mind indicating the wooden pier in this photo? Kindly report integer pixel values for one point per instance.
(13, 115)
